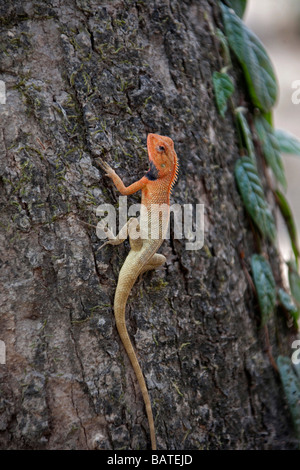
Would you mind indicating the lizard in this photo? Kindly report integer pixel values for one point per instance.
(156, 186)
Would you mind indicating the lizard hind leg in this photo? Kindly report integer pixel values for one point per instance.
(156, 261)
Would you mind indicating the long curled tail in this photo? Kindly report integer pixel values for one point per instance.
(119, 309)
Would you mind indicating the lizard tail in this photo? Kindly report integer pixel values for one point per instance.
(119, 310)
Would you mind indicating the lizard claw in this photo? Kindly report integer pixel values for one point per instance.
(87, 224)
(103, 244)
(101, 163)
(105, 167)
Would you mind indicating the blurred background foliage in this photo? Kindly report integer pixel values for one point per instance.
(277, 24)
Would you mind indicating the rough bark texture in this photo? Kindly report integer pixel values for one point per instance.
(88, 76)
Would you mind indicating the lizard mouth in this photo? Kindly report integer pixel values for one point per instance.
(162, 157)
(152, 173)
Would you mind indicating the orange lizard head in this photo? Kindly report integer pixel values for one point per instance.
(163, 158)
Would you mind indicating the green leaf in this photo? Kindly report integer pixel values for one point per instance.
(246, 133)
(287, 302)
(223, 88)
(270, 148)
(287, 142)
(265, 286)
(252, 194)
(289, 220)
(269, 118)
(238, 6)
(294, 281)
(255, 62)
(224, 44)
(291, 387)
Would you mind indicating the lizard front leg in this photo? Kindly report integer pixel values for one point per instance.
(131, 229)
(125, 190)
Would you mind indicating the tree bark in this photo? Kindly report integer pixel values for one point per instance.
(83, 78)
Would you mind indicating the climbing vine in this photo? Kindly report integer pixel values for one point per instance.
(262, 89)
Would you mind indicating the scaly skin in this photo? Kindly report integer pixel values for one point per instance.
(156, 186)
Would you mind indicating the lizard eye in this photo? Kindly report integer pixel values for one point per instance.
(163, 165)
(161, 148)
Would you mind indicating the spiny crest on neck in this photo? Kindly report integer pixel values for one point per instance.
(163, 159)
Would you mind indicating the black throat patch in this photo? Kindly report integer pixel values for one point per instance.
(152, 174)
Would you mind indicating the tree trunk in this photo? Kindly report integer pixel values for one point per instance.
(85, 77)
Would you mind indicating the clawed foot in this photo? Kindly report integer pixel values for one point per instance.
(105, 167)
